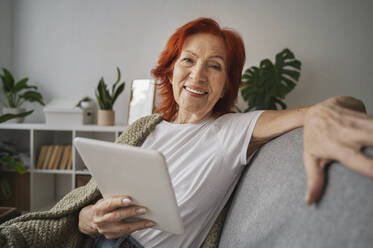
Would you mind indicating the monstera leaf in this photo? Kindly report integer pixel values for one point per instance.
(267, 85)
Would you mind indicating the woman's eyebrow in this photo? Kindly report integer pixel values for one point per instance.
(188, 51)
(217, 56)
(195, 55)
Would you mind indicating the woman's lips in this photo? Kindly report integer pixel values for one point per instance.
(195, 90)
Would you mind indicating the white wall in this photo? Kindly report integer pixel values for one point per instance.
(5, 33)
(66, 46)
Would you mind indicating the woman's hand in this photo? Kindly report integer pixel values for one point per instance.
(335, 129)
(108, 217)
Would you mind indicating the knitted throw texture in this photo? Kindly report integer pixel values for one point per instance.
(58, 227)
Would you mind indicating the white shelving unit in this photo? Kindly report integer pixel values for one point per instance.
(49, 186)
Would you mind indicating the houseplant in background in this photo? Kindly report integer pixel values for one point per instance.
(16, 93)
(106, 115)
(9, 161)
(85, 102)
(267, 85)
(7, 156)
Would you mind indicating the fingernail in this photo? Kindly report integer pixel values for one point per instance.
(149, 224)
(126, 201)
(141, 211)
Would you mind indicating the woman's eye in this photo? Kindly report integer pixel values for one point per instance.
(215, 67)
(187, 60)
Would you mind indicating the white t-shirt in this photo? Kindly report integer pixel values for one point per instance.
(204, 162)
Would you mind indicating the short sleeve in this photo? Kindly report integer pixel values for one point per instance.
(235, 131)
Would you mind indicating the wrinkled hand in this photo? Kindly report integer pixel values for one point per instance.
(108, 217)
(335, 129)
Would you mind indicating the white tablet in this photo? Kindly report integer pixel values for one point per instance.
(120, 169)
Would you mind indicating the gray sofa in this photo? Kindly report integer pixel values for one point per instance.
(268, 207)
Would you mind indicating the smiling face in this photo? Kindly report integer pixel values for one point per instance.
(199, 77)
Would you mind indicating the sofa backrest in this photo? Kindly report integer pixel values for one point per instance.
(268, 207)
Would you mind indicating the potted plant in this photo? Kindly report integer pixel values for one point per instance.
(106, 115)
(8, 160)
(16, 93)
(85, 102)
(267, 85)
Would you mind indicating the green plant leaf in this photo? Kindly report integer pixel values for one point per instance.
(116, 82)
(8, 80)
(100, 103)
(12, 90)
(281, 103)
(32, 96)
(12, 163)
(118, 92)
(104, 95)
(294, 63)
(21, 85)
(104, 98)
(6, 117)
(291, 73)
(5, 187)
(265, 85)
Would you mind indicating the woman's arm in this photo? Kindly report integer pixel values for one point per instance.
(273, 123)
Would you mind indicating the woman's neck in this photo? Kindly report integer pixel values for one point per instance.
(186, 118)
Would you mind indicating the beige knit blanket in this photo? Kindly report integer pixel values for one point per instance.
(58, 227)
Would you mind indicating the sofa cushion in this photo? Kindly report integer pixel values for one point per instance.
(269, 210)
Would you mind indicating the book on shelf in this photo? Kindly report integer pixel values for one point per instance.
(70, 159)
(55, 157)
(65, 157)
(42, 154)
(58, 157)
(47, 157)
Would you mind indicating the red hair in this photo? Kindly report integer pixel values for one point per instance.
(167, 106)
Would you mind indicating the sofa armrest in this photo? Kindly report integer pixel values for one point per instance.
(269, 210)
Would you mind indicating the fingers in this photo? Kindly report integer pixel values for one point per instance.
(117, 231)
(113, 224)
(121, 214)
(356, 160)
(109, 204)
(315, 177)
(356, 120)
(358, 137)
(109, 217)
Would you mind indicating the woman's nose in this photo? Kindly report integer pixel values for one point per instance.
(198, 73)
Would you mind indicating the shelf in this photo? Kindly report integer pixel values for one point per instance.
(43, 126)
(53, 171)
(45, 187)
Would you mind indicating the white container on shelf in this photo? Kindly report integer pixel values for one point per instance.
(64, 112)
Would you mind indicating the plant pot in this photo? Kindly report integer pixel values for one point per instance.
(14, 111)
(105, 117)
(86, 105)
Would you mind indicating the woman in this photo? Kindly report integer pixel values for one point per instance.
(205, 145)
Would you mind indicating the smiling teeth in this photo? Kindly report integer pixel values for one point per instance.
(195, 91)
